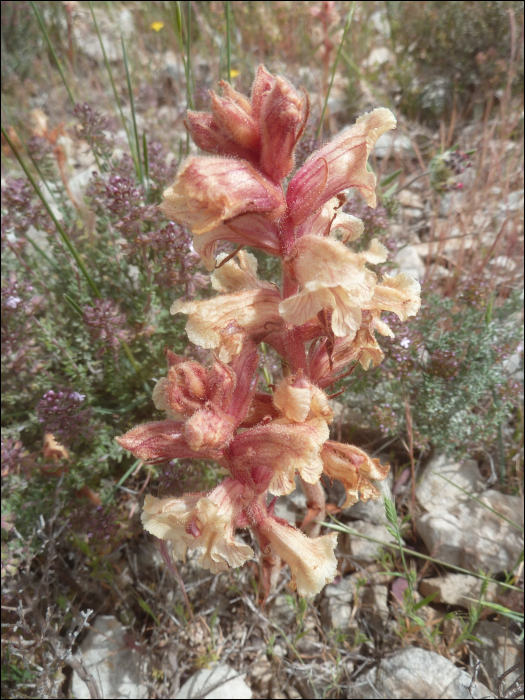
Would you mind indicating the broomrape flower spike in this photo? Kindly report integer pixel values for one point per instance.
(321, 321)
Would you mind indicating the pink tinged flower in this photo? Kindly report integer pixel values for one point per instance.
(208, 429)
(235, 122)
(161, 441)
(281, 122)
(354, 469)
(300, 400)
(225, 322)
(312, 561)
(275, 452)
(262, 86)
(190, 387)
(339, 165)
(325, 365)
(205, 523)
(209, 191)
(207, 135)
(249, 229)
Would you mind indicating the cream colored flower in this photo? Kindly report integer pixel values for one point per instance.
(206, 523)
(224, 322)
(354, 469)
(332, 277)
(238, 277)
(301, 400)
(312, 561)
(399, 294)
(280, 449)
(328, 220)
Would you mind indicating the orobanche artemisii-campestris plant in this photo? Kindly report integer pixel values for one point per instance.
(320, 321)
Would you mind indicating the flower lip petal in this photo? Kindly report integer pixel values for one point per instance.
(211, 190)
(339, 165)
(311, 561)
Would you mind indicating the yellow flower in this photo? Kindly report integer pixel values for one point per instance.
(156, 26)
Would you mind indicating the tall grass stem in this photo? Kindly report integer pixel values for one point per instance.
(58, 225)
(347, 25)
(133, 115)
(228, 41)
(113, 86)
(53, 53)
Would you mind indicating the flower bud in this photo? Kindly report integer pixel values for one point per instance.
(234, 122)
(282, 116)
(354, 469)
(207, 135)
(160, 442)
(262, 85)
(207, 429)
(236, 97)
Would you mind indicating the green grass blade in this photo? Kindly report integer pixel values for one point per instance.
(347, 25)
(189, 81)
(133, 115)
(73, 304)
(501, 609)
(347, 530)
(500, 515)
(177, 13)
(228, 41)
(58, 225)
(115, 93)
(52, 264)
(145, 158)
(50, 46)
(33, 161)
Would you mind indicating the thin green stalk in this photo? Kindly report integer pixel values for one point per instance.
(188, 57)
(58, 225)
(228, 41)
(348, 530)
(146, 161)
(347, 25)
(50, 46)
(133, 116)
(177, 12)
(130, 356)
(33, 161)
(46, 257)
(115, 93)
(500, 515)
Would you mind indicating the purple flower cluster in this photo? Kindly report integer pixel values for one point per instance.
(14, 457)
(105, 323)
(17, 297)
(61, 413)
(18, 304)
(21, 211)
(375, 221)
(176, 257)
(100, 525)
(91, 128)
(161, 170)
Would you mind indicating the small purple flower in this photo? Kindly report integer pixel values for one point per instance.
(60, 414)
